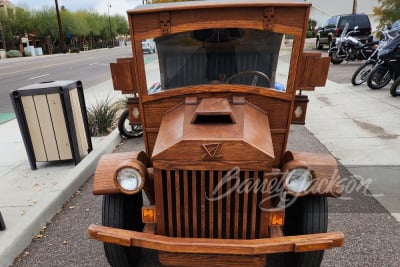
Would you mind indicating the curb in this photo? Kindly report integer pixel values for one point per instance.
(77, 176)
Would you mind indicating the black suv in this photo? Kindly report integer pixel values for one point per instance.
(333, 28)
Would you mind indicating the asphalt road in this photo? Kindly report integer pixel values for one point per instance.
(371, 234)
(91, 67)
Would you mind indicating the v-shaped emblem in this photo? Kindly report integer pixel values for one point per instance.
(211, 150)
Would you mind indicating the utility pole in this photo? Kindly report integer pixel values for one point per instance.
(61, 37)
(109, 22)
(354, 6)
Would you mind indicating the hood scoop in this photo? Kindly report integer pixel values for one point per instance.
(213, 111)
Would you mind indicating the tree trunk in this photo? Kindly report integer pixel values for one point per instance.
(3, 39)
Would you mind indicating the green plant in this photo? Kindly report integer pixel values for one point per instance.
(14, 53)
(102, 116)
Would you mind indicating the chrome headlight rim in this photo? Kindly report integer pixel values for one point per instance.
(298, 176)
(130, 179)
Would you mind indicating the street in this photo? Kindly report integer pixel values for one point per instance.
(371, 233)
(91, 67)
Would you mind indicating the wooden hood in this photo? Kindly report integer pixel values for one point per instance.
(215, 129)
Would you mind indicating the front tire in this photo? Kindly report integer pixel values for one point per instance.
(318, 44)
(307, 215)
(395, 89)
(127, 129)
(379, 77)
(124, 212)
(333, 54)
(361, 74)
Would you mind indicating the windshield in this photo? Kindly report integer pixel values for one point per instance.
(213, 56)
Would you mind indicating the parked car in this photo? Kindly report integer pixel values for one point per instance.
(148, 46)
(333, 28)
(394, 29)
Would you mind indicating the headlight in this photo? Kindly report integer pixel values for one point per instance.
(130, 177)
(298, 180)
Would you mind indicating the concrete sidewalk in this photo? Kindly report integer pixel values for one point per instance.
(29, 199)
(361, 128)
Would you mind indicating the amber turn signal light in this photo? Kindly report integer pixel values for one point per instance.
(149, 214)
(277, 217)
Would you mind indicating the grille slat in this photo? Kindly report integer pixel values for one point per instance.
(178, 213)
(193, 207)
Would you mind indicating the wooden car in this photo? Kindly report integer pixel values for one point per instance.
(221, 188)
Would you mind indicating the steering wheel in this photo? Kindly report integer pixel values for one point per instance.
(256, 74)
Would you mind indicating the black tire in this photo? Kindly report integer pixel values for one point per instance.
(307, 215)
(361, 74)
(122, 211)
(126, 129)
(333, 55)
(379, 77)
(330, 43)
(318, 44)
(395, 88)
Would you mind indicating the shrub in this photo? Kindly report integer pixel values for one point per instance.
(102, 116)
(310, 34)
(14, 53)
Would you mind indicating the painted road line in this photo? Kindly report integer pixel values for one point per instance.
(6, 117)
(40, 76)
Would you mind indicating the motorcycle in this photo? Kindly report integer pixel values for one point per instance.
(349, 48)
(361, 74)
(388, 66)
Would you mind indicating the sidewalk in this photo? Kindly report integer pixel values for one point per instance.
(361, 128)
(29, 199)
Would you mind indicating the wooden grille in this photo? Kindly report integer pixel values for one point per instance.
(209, 204)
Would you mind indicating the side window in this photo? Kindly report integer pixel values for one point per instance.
(362, 21)
(326, 24)
(344, 21)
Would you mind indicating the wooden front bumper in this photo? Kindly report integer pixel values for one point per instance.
(300, 243)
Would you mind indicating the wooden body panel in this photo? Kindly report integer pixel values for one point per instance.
(153, 21)
(274, 104)
(105, 171)
(200, 260)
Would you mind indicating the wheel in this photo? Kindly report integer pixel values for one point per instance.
(126, 128)
(334, 57)
(395, 89)
(318, 44)
(361, 74)
(379, 77)
(122, 211)
(330, 43)
(250, 80)
(307, 215)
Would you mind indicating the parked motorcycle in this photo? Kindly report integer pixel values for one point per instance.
(388, 66)
(361, 74)
(349, 48)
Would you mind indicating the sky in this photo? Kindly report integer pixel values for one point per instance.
(101, 6)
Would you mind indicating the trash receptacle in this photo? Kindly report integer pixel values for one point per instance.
(53, 121)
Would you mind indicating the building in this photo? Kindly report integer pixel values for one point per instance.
(323, 9)
(5, 5)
